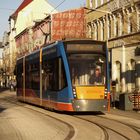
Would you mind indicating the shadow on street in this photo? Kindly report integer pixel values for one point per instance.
(2, 109)
(3, 89)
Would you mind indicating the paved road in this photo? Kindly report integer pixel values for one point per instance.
(25, 122)
(20, 121)
(17, 123)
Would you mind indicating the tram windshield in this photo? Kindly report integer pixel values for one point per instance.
(87, 69)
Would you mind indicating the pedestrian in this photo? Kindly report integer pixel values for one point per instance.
(14, 85)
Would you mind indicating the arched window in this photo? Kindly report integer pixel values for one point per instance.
(102, 30)
(116, 27)
(139, 21)
(129, 25)
(133, 66)
(118, 76)
(95, 31)
(91, 3)
(96, 4)
(89, 31)
(130, 75)
(109, 28)
(102, 1)
(120, 24)
(129, 16)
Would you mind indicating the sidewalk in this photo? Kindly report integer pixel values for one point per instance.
(130, 114)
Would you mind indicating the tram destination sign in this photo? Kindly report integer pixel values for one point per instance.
(85, 48)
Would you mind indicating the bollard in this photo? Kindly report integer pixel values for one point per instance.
(108, 97)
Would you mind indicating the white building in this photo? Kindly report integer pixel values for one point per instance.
(23, 18)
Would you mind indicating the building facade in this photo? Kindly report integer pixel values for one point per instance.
(27, 19)
(5, 71)
(118, 23)
(23, 19)
(57, 26)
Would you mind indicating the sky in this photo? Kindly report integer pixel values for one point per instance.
(7, 7)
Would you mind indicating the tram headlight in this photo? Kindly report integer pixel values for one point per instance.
(105, 94)
(74, 92)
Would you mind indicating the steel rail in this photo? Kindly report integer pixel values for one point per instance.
(106, 136)
(105, 127)
(71, 133)
(126, 124)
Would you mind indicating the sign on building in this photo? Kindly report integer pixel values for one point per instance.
(68, 24)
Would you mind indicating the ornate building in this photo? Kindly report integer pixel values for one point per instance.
(118, 23)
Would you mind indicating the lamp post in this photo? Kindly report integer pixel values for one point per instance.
(107, 37)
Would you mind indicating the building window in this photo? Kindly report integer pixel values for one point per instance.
(102, 30)
(129, 25)
(91, 3)
(95, 31)
(116, 27)
(109, 28)
(89, 31)
(102, 1)
(96, 5)
(118, 76)
(130, 75)
(120, 25)
(138, 21)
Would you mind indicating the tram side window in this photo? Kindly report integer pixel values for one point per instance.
(62, 75)
(53, 74)
(32, 71)
(27, 76)
(20, 76)
(35, 76)
(50, 75)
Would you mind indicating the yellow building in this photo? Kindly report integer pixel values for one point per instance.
(118, 23)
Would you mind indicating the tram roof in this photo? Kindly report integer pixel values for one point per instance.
(83, 41)
(71, 41)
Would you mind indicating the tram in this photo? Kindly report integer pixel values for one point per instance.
(68, 75)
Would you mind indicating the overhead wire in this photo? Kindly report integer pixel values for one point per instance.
(58, 5)
(8, 9)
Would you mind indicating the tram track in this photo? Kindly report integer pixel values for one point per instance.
(71, 128)
(135, 128)
(106, 136)
(105, 128)
(71, 133)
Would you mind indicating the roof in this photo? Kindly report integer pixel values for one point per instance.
(23, 5)
(82, 40)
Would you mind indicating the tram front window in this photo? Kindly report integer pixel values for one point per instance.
(87, 69)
